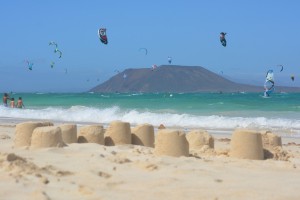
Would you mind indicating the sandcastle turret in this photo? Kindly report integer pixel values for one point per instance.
(171, 143)
(91, 134)
(23, 132)
(47, 136)
(118, 133)
(69, 133)
(143, 135)
(246, 144)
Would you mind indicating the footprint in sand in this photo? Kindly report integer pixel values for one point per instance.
(104, 174)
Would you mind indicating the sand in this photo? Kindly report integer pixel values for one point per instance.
(94, 171)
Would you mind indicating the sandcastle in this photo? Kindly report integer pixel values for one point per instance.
(199, 138)
(69, 133)
(143, 135)
(118, 133)
(47, 136)
(91, 134)
(246, 144)
(24, 132)
(171, 143)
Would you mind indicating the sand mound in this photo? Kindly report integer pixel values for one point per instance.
(161, 126)
(273, 147)
(199, 138)
(69, 133)
(118, 133)
(143, 135)
(49, 136)
(91, 134)
(171, 143)
(271, 140)
(24, 132)
(246, 144)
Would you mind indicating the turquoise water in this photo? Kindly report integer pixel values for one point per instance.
(200, 110)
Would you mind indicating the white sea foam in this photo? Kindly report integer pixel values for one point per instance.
(82, 114)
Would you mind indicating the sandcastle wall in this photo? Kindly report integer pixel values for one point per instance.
(246, 144)
(91, 134)
(199, 138)
(118, 133)
(143, 135)
(23, 132)
(69, 133)
(47, 136)
(171, 143)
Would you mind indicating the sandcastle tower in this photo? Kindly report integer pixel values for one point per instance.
(69, 133)
(246, 144)
(118, 133)
(47, 136)
(91, 134)
(143, 135)
(199, 138)
(171, 143)
(24, 132)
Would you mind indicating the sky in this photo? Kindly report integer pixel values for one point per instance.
(261, 34)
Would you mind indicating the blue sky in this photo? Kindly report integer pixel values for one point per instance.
(260, 35)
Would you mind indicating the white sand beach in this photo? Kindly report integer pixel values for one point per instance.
(126, 171)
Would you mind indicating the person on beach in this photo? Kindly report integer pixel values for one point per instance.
(12, 102)
(5, 98)
(20, 103)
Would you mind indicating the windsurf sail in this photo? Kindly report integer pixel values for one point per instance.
(102, 35)
(269, 83)
(169, 59)
(154, 67)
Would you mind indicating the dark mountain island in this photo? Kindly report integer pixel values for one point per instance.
(174, 78)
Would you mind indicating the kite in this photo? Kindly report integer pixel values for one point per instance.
(281, 67)
(102, 35)
(269, 83)
(56, 48)
(169, 59)
(60, 53)
(222, 39)
(146, 50)
(53, 43)
(29, 64)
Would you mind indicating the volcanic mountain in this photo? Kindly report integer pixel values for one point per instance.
(172, 78)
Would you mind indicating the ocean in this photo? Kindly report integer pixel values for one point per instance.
(211, 111)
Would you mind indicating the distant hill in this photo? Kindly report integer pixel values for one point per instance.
(174, 78)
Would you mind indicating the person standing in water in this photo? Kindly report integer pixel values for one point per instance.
(12, 102)
(20, 103)
(5, 98)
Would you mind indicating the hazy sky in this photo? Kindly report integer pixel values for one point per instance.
(260, 35)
